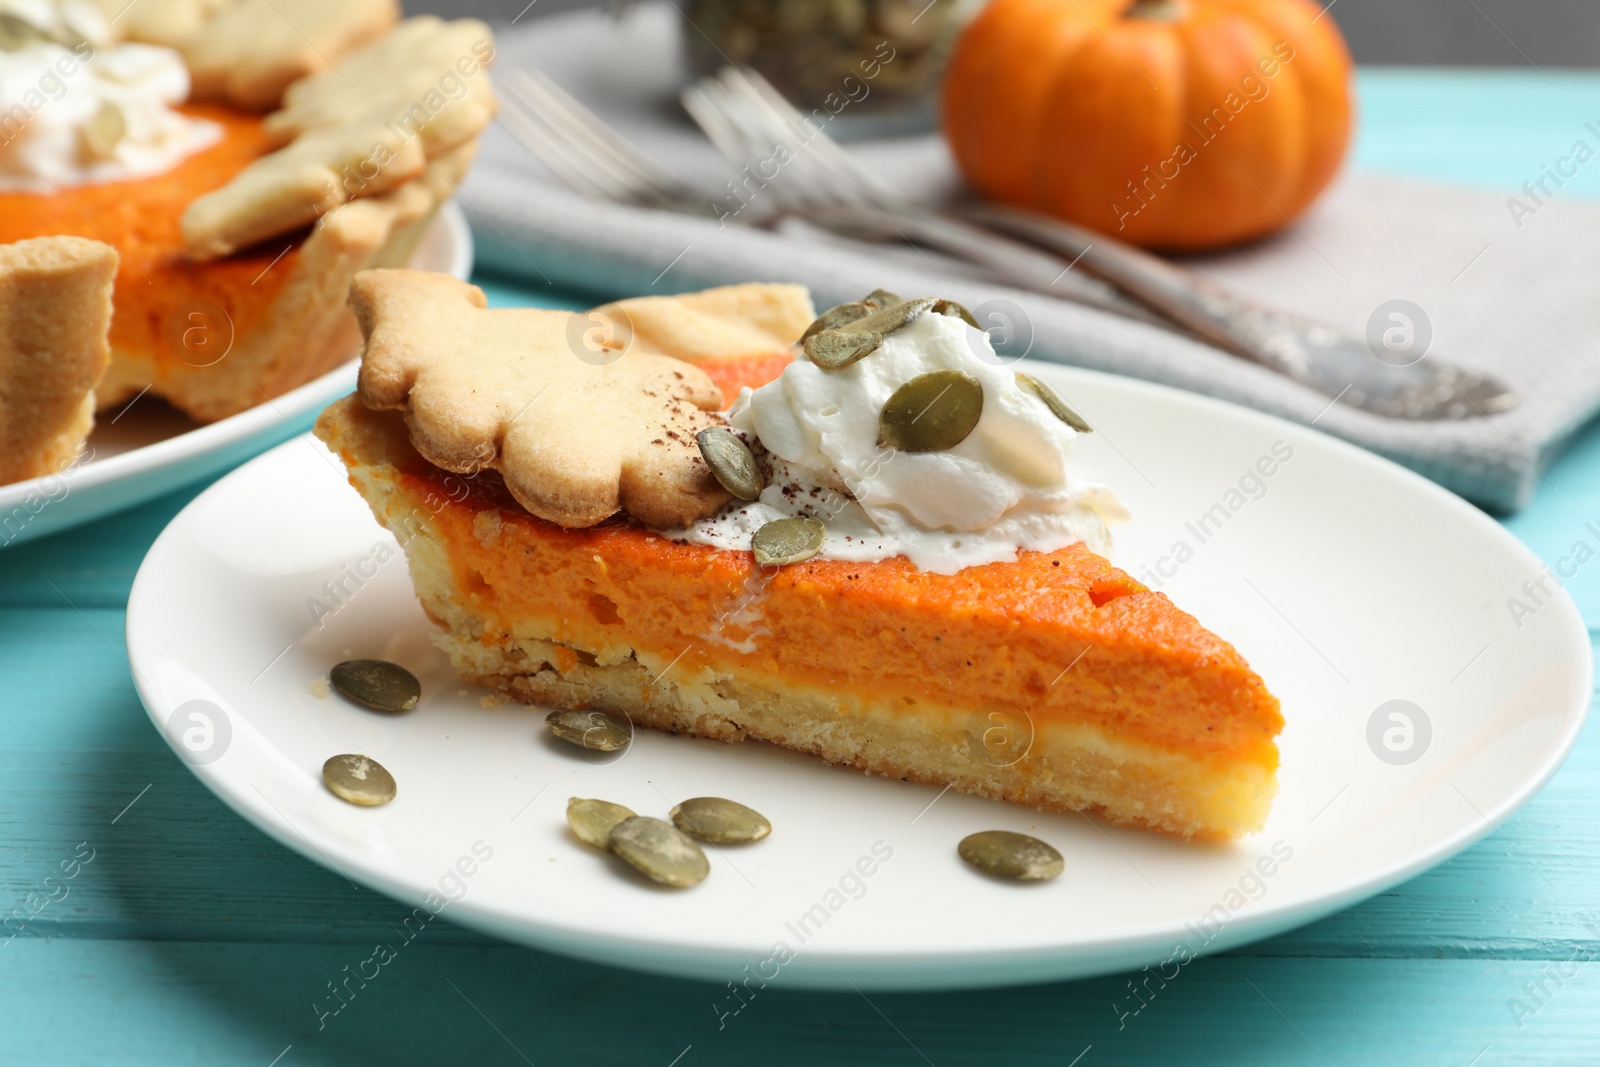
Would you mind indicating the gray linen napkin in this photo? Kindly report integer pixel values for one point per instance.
(1518, 301)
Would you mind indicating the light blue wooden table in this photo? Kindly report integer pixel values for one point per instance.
(187, 937)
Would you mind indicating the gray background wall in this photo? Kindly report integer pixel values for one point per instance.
(1508, 33)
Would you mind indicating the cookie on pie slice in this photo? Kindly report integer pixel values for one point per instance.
(1050, 678)
(171, 23)
(738, 334)
(55, 309)
(250, 51)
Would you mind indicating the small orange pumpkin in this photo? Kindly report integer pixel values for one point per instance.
(1182, 124)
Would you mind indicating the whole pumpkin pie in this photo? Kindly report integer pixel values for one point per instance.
(878, 555)
(241, 178)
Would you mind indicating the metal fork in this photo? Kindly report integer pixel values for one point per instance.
(746, 118)
(598, 162)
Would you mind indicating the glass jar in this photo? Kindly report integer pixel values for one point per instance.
(874, 65)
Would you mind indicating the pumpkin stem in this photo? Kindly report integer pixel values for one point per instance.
(1156, 10)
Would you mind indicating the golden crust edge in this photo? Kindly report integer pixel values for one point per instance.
(53, 350)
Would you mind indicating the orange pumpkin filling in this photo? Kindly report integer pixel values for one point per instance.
(731, 375)
(157, 286)
(994, 636)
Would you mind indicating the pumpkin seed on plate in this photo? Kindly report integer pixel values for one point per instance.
(659, 850)
(105, 129)
(1058, 407)
(592, 820)
(950, 307)
(931, 412)
(882, 298)
(1006, 854)
(358, 779)
(731, 462)
(719, 821)
(593, 730)
(837, 316)
(787, 541)
(835, 349)
(376, 684)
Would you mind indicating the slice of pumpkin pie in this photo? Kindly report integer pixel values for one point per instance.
(878, 555)
(55, 309)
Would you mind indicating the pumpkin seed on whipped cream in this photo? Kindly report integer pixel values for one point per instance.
(943, 501)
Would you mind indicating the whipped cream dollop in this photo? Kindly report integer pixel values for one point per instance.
(76, 109)
(1005, 487)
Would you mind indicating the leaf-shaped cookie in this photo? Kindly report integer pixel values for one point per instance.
(728, 322)
(356, 130)
(252, 50)
(426, 76)
(576, 433)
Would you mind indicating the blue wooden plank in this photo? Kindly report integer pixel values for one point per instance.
(217, 1005)
(1478, 127)
(1567, 504)
(91, 566)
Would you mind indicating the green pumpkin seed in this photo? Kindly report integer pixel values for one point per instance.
(659, 850)
(888, 319)
(1005, 854)
(593, 730)
(882, 298)
(359, 780)
(1058, 407)
(835, 349)
(719, 821)
(17, 33)
(731, 462)
(376, 684)
(837, 316)
(593, 820)
(931, 412)
(100, 136)
(787, 541)
(950, 307)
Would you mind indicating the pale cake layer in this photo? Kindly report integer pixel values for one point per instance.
(1050, 766)
(548, 657)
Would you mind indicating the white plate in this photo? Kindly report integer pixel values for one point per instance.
(150, 449)
(1347, 581)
